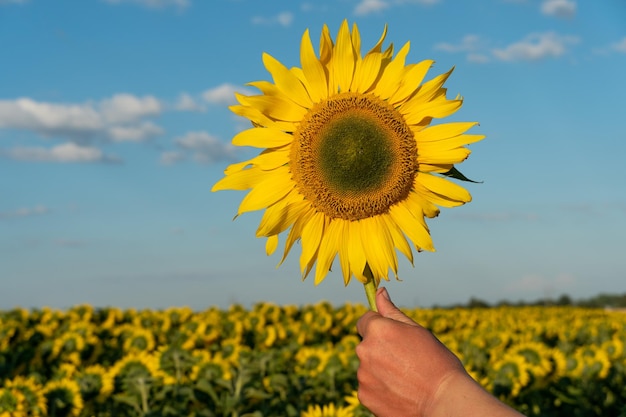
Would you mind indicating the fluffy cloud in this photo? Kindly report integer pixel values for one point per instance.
(283, 19)
(134, 133)
(113, 118)
(370, 6)
(126, 108)
(472, 45)
(65, 153)
(365, 7)
(224, 94)
(559, 8)
(536, 46)
(203, 147)
(619, 46)
(186, 102)
(155, 4)
(25, 212)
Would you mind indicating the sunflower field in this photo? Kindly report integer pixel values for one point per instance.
(272, 360)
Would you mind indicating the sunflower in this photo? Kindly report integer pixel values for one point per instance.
(351, 164)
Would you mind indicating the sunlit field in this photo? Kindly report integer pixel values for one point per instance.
(275, 360)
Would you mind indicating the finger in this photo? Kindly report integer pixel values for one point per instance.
(364, 322)
(388, 309)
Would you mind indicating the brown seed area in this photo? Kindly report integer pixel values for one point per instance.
(353, 156)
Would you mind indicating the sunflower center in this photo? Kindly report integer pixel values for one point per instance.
(353, 156)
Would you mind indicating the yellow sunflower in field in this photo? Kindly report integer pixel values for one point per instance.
(351, 165)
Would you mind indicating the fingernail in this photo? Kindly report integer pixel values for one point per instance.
(385, 294)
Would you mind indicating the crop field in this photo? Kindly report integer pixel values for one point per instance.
(272, 360)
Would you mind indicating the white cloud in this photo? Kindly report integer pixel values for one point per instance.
(155, 4)
(559, 8)
(110, 118)
(478, 58)
(469, 43)
(536, 46)
(64, 153)
(25, 212)
(619, 46)
(25, 113)
(186, 102)
(472, 45)
(134, 133)
(283, 19)
(365, 7)
(172, 157)
(125, 108)
(223, 94)
(370, 6)
(201, 146)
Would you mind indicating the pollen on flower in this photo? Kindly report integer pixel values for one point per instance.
(353, 156)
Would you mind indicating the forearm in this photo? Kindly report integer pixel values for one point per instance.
(460, 395)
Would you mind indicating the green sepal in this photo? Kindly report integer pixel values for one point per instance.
(456, 174)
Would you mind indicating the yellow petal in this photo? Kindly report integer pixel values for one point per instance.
(259, 119)
(296, 231)
(440, 191)
(355, 251)
(326, 46)
(379, 45)
(311, 237)
(378, 247)
(438, 168)
(399, 240)
(343, 59)
(356, 40)
(413, 227)
(438, 109)
(241, 180)
(452, 156)
(262, 137)
(328, 249)
(271, 244)
(313, 69)
(366, 72)
(275, 185)
(390, 80)
(277, 108)
(412, 77)
(266, 88)
(420, 206)
(428, 90)
(344, 255)
(280, 216)
(287, 82)
(450, 143)
(443, 131)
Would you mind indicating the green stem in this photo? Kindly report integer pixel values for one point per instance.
(370, 287)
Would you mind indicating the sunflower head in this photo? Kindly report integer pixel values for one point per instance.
(351, 161)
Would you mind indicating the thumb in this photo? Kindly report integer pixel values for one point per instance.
(387, 309)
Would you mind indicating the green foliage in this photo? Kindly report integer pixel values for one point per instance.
(271, 360)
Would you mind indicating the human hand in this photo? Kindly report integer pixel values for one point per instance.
(405, 371)
(402, 364)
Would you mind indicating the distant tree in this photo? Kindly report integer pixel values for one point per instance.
(564, 300)
(477, 303)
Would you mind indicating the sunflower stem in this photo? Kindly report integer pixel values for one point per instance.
(370, 287)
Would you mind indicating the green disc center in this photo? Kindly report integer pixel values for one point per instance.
(354, 152)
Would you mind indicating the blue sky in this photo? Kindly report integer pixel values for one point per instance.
(114, 125)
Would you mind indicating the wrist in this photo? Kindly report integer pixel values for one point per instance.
(458, 394)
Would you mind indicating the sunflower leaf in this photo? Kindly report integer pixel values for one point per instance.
(456, 174)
